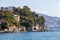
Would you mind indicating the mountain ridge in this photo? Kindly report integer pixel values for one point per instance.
(52, 23)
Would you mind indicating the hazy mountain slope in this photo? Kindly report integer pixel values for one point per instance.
(52, 23)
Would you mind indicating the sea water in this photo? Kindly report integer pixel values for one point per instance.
(30, 36)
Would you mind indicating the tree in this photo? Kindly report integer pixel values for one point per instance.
(41, 20)
(26, 8)
(3, 25)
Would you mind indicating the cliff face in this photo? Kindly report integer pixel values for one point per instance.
(22, 18)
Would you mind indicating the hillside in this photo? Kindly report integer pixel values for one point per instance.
(52, 23)
(22, 18)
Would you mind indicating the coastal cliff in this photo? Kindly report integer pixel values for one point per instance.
(21, 19)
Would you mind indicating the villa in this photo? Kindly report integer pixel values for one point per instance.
(17, 17)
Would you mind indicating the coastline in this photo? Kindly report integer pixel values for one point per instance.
(20, 31)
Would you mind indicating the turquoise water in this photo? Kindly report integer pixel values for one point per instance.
(30, 36)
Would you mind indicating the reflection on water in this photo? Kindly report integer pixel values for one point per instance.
(30, 36)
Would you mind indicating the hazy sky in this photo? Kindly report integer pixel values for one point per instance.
(48, 7)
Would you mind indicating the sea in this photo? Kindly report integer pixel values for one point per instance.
(30, 36)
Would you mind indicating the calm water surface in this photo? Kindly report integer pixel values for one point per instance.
(30, 36)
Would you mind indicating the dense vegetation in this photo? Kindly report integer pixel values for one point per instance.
(27, 17)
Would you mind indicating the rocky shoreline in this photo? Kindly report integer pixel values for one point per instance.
(19, 31)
